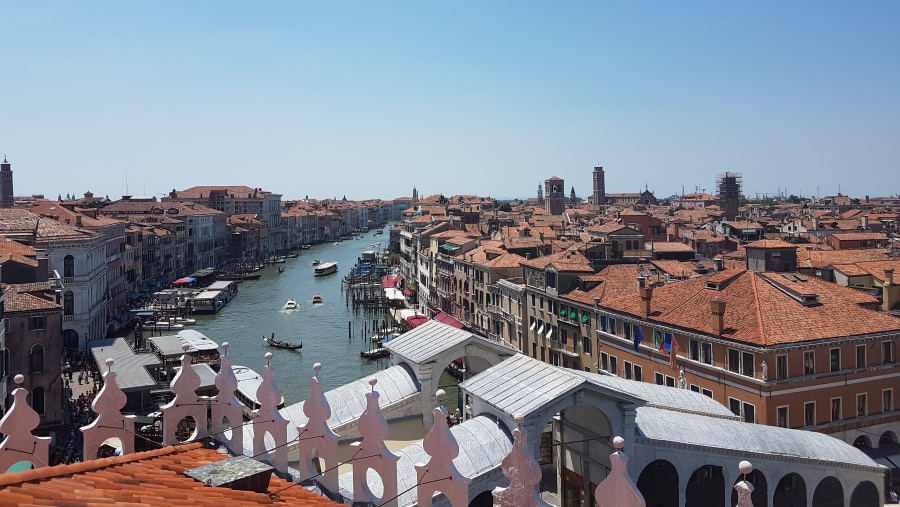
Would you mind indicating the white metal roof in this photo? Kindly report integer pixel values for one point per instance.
(426, 342)
(170, 345)
(731, 435)
(130, 368)
(483, 443)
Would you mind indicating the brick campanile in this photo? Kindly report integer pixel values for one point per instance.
(6, 185)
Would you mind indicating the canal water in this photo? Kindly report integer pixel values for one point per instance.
(332, 333)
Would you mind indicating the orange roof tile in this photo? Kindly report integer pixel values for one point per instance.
(760, 309)
(149, 479)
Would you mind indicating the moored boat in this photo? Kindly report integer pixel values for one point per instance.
(375, 353)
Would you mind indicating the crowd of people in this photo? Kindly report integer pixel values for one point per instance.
(69, 444)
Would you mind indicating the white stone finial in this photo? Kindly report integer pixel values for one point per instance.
(268, 357)
(619, 442)
(317, 367)
(519, 418)
(225, 346)
(745, 467)
(109, 363)
(440, 394)
(19, 379)
(185, 347)
(372, 382)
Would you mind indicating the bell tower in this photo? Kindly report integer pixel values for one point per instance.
(6, 185)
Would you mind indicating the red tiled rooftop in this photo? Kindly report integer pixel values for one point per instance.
(148, 479)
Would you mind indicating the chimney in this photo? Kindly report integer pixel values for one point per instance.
(887, 301)
(642, 282)
(864, 222)
(77, 220)
(720, 264)
(815, 223)
(717, 307)
(646, 296)
(596, 302)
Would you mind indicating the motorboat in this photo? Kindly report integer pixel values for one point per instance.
(291, 304)
(317, 299)
(315, 262)
(326, 268)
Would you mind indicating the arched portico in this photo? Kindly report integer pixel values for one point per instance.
(658, 483)
(429, 348)
(865, 494)
(790, 492)
(828, 493)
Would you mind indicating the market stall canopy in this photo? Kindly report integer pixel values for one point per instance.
(185, 280)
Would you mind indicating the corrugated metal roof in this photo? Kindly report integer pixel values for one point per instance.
(348, 401)
(522, 385)
(718, 433)
(427, 341)
(661, 396)
(483, 443)
(130, 368)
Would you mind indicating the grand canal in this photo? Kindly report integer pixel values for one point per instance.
(332, 334)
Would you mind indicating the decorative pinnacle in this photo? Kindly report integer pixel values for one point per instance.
(225, 346)
(109, 362)
(519, 418)
(317, 367)
(268, 357)
(19, 379)
(440, 394)
(745, 467)
(185, 347)
(619, 442)
(372, 382)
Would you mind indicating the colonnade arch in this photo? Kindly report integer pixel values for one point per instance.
(828, 493)
(865, 494)
(790, 492)
(658, 483)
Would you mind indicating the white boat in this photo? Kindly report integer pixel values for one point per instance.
(326, 268)
(291, 304)
(248, 383)
(163, 326)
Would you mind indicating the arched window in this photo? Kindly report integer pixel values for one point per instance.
(68, 266)
(68, 303)
(37, 400)
(36, 359)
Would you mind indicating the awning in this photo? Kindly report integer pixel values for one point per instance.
(133, 295)
(407, 292)
(185, 280)
(416, 320)
(449, 320)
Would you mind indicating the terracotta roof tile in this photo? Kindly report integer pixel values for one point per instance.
(760, 309)
(148, 479)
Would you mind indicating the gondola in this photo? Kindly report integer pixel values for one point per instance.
(283, 344)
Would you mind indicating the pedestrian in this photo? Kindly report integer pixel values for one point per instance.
(80, 377)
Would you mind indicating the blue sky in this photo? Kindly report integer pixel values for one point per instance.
(368, 99)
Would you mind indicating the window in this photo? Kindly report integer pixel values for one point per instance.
(887, 352)
(781, 417)
(862, 405)
(626, 330)
(735, 405)
(670, 381)
(604, 361)
(628, 370)
(809, 363)
(887, 400)
(734, 361)
(36, 359)
(707, 392)
(706, 355)
(747, 364)
(860, 356)
(69, 303)
(37, 323)
(694, 349)
(835, 355)
(638, 373)
(659, 378)
(37, 400)
(809, 413)
(613, 365)
(835, 409)
(749, 413)
(695, 388)
(781, 367)
(586, 344)
(69, 266)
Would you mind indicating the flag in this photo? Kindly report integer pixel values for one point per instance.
(659, 343)
(638, 338)
(673, 354)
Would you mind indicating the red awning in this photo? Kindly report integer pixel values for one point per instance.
(387, 282)
(449, 320)
(184, 281)
(398, 279)
(416, 320)
(407, 292)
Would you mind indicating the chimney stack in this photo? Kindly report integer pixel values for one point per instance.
(720, 264)
(717, 307)
(646, 296)
(864, 222)
(642, 282)
(887, 291)
(77, 220)
(596, 303)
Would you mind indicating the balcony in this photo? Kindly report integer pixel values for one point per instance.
(569, 350)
